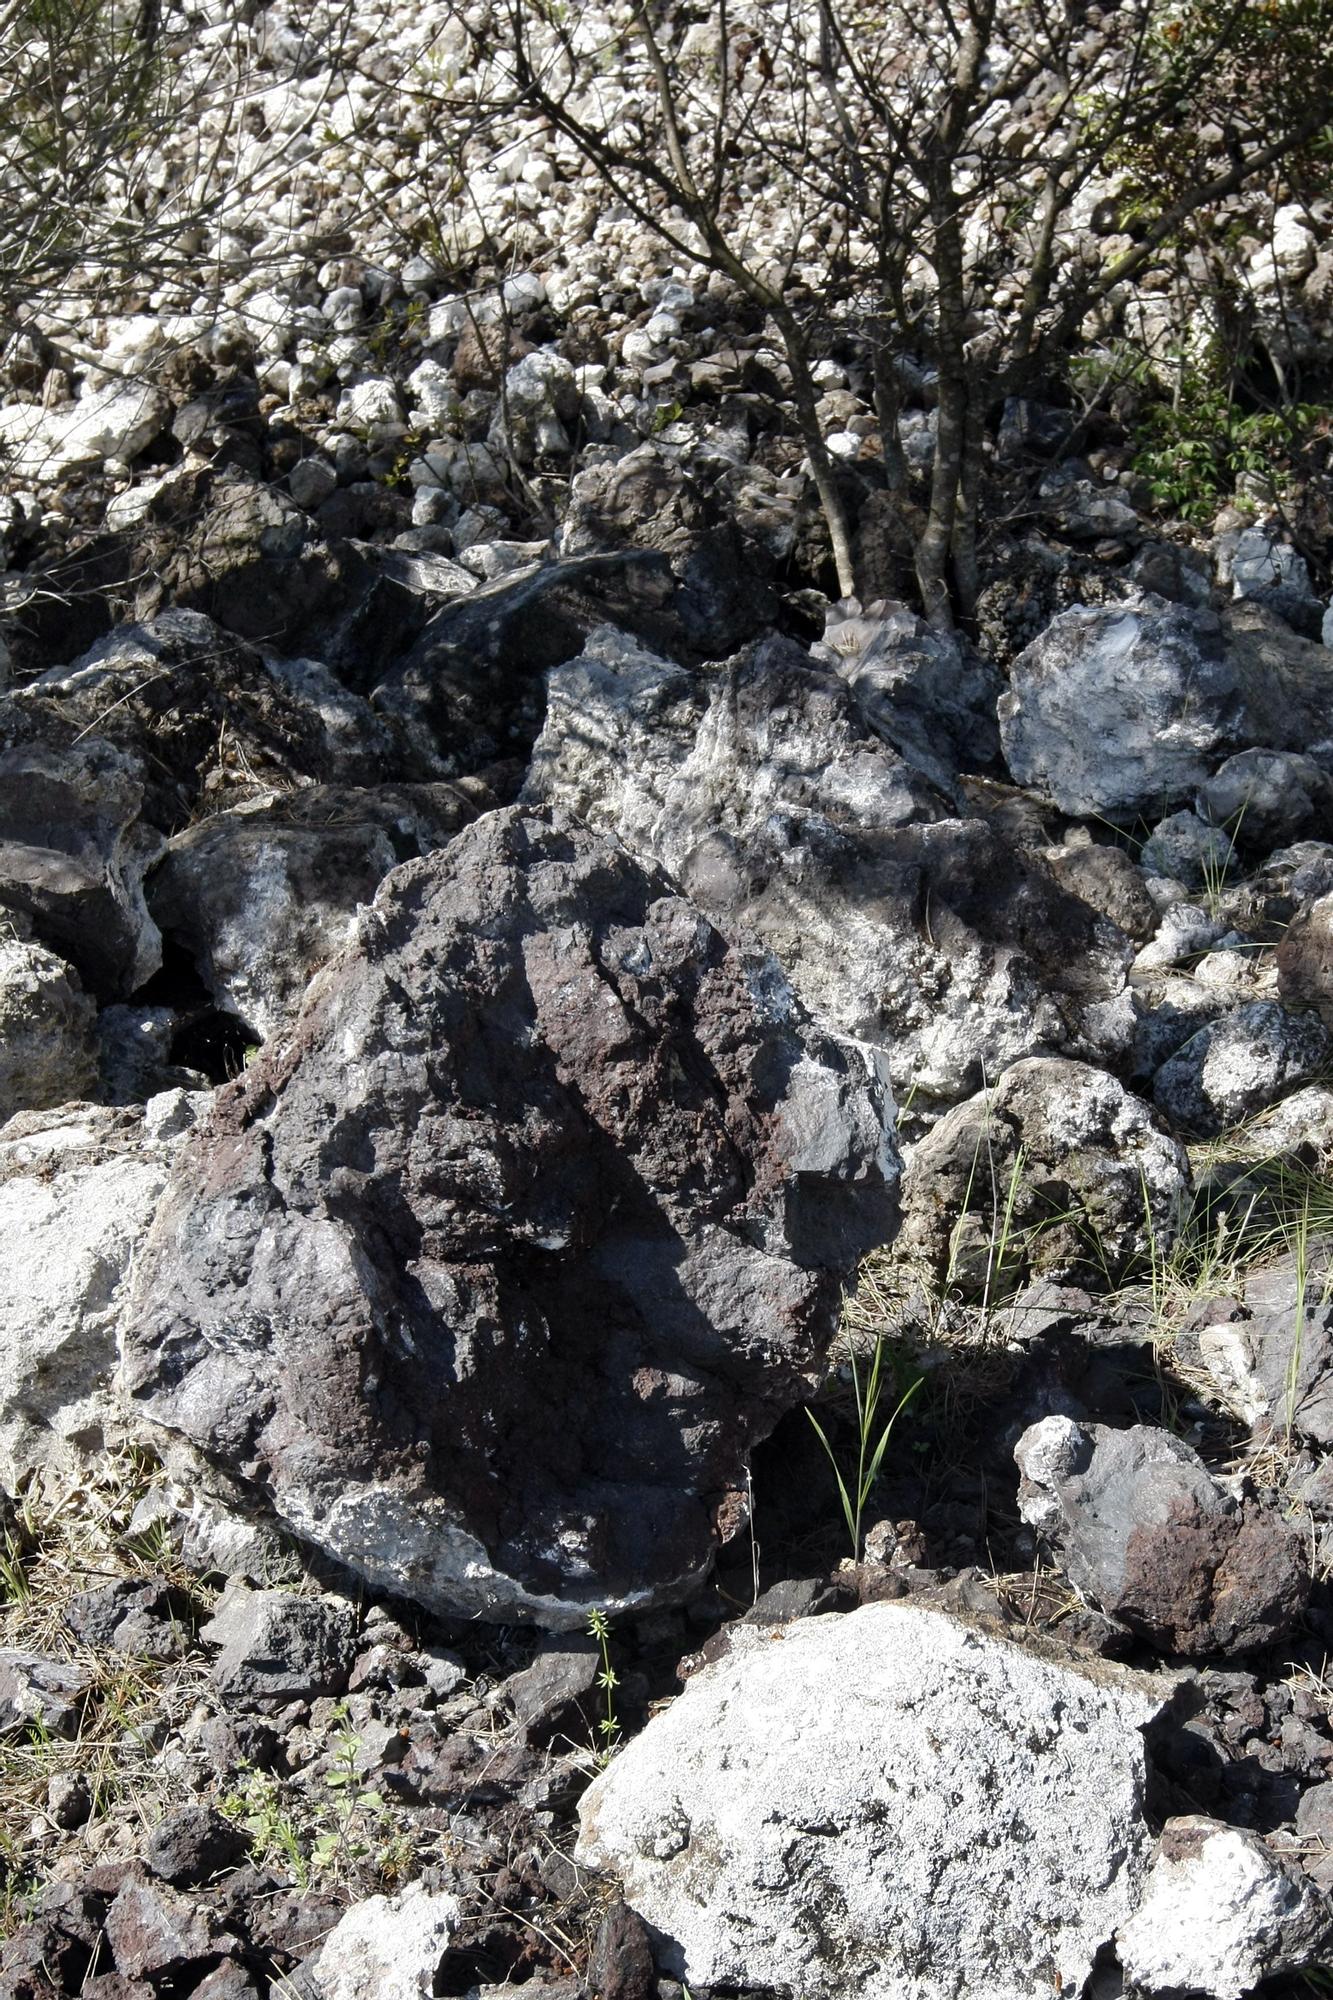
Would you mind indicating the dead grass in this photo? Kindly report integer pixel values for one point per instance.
(63, 1544)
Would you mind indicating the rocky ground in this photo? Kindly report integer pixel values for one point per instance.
(513, 1001)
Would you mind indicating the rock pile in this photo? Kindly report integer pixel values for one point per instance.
(509, 990)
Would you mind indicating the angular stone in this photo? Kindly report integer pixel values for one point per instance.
(40, 1691)
(1266, 798)
(77, 1192)
(198, 718)
(1057, 1172)
(1238, 1065)
(923, 692)
(73, 852)
(1220, 1913)
(47, 1054)
(387, 1947)
(1305, 960)
(834, 1808)
(154, 1933)
(1122, 708)
(761, 789)
(262, 896)
(540, 1141)
(1147, 1535)
(192, 1845)
(278, 1648)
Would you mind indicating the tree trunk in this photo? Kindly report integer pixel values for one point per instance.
(805, 396)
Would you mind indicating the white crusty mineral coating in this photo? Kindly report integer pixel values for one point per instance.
(78, 1189)
(1220, 1914)
(893, 1804)
(388, 1947)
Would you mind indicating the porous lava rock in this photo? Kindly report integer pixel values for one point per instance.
(1058, 1172)
(1147, 1535)
(491, 1272)
(765, 792)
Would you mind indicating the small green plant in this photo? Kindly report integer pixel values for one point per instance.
(14, 1585)
(258, 1807)
(608, 1727)
(867, 1392)
(361, 1828)
(1193, 447)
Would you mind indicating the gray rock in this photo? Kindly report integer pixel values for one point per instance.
(540, 1140)
(277, 1647)
(1187, 849)
(1148, 1536)
(1287, 681)
(832, 1809)
(387, 1947)
(154, 1933)
(261, 897)
(718, 534)
(47, 1693)
(923, 692)
(762, 791)
(1185, 930)
(77, 1192)
(1108, 880)
(1258, 564)
(1272, 1359)
(73, 851)
(1183, 575)
(311, 481)
(1123, 708)
(192, 1845)
(1238, 1065)
(1220, 1913)
(1305, 959)
(196, 715)
(1057, 1172)
(470, 690)
(555, 1695)
(134, 1055)
(1086, 511)
(1266, 798)
(47, 1053)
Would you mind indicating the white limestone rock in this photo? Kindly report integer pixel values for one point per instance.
(78, 1189)
(45, 446)
(1220, 1913)
(387, 1947)
(836, 1807)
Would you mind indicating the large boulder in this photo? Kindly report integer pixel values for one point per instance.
(834, 1809)
(47, 1052)
(77, 1192)
(471, 689)
(764, 792)
(489, 1274)
(1147, 1535)
(1122, 708)
(1056, 1172)
(260, 897)
(73, 850)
